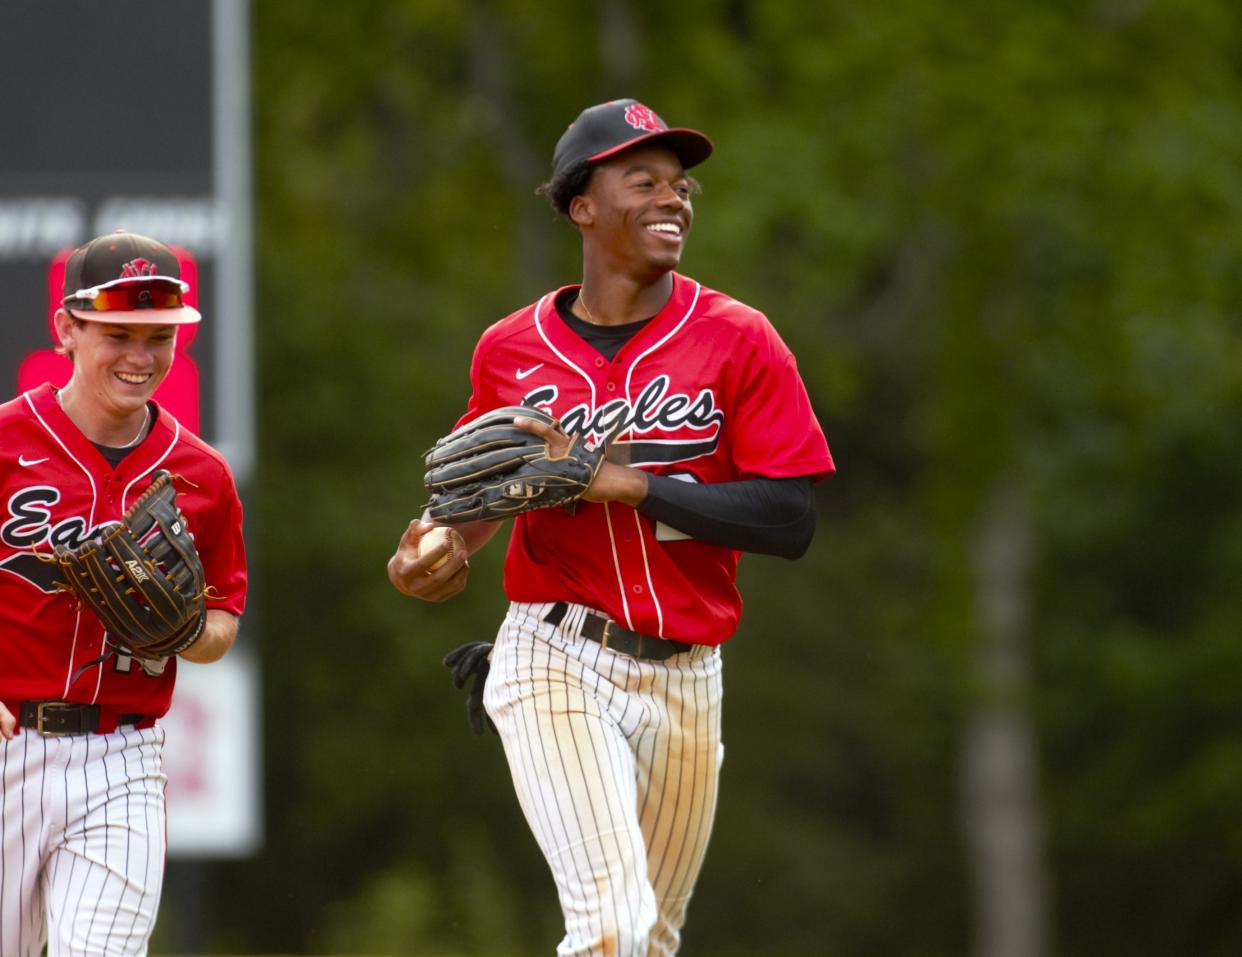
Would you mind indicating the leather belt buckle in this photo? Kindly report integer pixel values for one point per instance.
(41, 713)
(601, 629)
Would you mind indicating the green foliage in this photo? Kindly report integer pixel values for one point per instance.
(1002, 239)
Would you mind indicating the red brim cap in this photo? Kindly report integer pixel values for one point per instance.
(124, 259)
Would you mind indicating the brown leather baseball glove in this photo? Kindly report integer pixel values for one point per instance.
(491, 469)
(142, 576)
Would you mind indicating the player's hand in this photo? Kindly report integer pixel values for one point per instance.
(8, 723)
(556, 439)
(612, 483)
(411, 573)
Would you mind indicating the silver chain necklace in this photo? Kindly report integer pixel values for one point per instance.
(146, 420)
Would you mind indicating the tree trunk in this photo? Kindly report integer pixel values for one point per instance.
(1000, 794)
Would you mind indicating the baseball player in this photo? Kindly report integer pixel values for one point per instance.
(82, 816)
(605, 677)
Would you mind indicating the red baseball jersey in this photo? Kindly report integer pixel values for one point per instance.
(706, 392)
(56, 489)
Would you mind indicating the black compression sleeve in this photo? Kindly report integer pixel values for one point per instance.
(763, 515)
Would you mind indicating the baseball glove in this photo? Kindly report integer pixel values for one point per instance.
(491, 469)
(142, 576)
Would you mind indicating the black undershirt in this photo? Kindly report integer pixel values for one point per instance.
(113, 454)
(762, 515)
(606, 340)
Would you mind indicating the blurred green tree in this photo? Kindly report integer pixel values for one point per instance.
(1003, 241)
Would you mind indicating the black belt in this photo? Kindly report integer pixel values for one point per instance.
(56, 718)
(612, 636)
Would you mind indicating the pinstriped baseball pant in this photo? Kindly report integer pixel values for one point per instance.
(616, 764)
(82, 839)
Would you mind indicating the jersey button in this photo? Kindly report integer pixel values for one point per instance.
(612, 387)
(599, 362)
(638, 589)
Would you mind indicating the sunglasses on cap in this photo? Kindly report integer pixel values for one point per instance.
(128, 295)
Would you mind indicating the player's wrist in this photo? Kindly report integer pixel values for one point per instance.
(618, 483)
(636, 487)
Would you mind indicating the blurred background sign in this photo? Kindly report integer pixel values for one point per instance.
(212, 734)
(134, 118)
(128, 115)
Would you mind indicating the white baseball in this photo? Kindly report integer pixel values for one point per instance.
(434, 539)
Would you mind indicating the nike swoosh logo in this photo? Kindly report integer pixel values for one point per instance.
(523, 373)
(22, 460)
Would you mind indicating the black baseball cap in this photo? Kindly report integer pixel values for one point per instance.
(608, 128)
(127, 279)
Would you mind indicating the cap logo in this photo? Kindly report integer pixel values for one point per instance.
(643, 118)
(138, 267)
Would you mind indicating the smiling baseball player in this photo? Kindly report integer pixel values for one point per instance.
(120, 549)
(605, 678)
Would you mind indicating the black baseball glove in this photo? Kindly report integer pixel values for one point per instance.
(491, 469)
(142, 576)
(471, 660)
